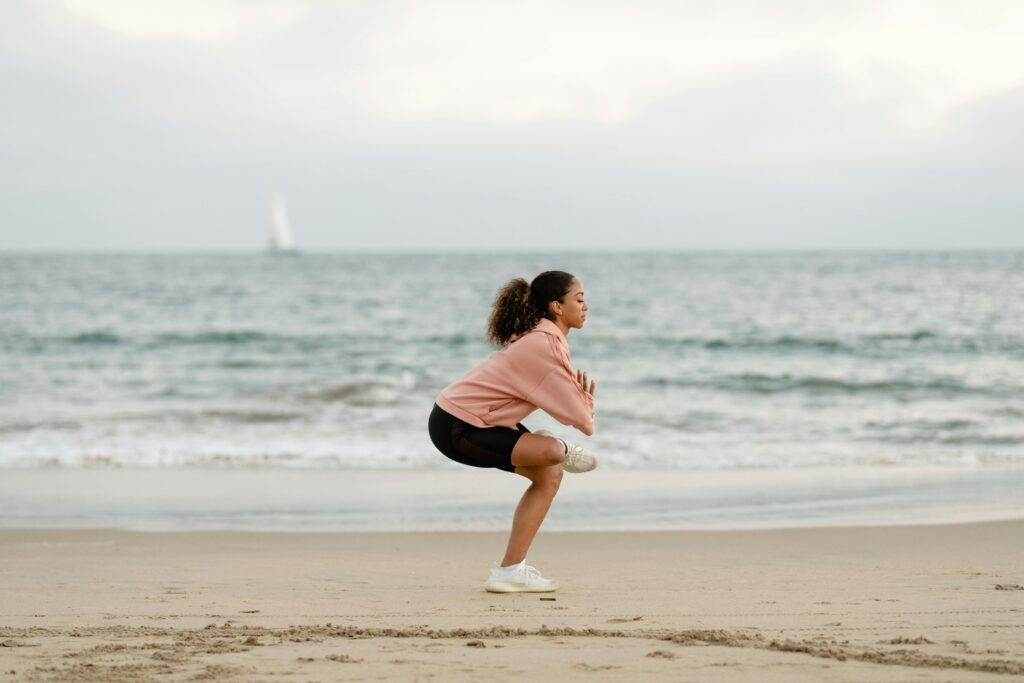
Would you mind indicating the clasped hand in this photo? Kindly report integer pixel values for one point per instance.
(581, 377)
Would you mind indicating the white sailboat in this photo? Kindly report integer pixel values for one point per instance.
(281, 239)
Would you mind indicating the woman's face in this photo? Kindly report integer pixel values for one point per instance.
(573, 307)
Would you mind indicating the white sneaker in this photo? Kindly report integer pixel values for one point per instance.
(578, 459)
(521, 579)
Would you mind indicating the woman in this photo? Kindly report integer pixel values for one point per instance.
(475, 420)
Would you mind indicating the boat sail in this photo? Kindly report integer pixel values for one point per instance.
(281, 239)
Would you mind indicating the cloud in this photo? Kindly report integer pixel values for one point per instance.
(460, 124)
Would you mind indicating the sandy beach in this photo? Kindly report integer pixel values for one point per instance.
(897, 603)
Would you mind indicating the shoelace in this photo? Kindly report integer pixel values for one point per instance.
(574, 454)
(532, 572)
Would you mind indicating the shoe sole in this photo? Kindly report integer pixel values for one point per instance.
(509, 587)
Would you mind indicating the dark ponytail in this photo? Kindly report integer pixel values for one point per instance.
(519, 306)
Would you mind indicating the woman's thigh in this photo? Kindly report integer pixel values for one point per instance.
(535, 450)
(486, 446)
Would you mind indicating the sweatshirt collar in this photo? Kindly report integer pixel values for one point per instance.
(547, 327)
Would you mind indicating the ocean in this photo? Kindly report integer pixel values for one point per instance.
(704, 362)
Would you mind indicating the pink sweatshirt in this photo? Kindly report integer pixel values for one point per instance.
(530, 373)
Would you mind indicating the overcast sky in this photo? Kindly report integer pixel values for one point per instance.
(151, 125)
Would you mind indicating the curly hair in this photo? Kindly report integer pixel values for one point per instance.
(519, 306)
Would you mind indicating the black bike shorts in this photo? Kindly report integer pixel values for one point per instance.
(474, 446)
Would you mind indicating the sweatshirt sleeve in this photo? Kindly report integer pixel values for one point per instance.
(561, 397)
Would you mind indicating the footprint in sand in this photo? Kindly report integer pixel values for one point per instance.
(15, 643)
(345, 659)
(590, 667)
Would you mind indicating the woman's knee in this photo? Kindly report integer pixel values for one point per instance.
(550, 478)
(555, 454)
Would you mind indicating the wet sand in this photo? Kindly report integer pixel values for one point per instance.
(895, 603)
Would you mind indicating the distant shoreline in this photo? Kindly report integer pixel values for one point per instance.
(553, 252)
(442, 500)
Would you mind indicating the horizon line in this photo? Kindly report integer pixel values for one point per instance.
(494, 251)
